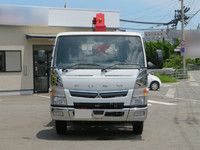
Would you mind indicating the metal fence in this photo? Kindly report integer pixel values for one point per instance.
(193, 67)
(176, 73)
(180, 74)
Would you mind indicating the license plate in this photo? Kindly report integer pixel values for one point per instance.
(83, 114)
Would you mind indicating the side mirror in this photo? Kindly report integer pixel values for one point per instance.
(158, 61)
(41, 56)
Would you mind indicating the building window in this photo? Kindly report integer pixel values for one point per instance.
(10, 61)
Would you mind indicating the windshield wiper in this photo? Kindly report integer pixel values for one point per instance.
(105, 69)
(79, 64)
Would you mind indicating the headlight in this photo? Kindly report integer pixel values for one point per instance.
(55, 78)
(56, 100)
(141, 80)
(139, 100)
(56, 89)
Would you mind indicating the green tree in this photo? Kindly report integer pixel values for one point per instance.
(174, 62)
(197, 61)
(166, 47)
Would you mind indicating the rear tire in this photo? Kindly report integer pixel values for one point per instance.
(138, 127)
(61, 127)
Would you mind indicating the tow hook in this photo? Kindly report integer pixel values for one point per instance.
(98, 114)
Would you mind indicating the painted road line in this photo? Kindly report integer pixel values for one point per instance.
(194, 84)
(42, 96)
(185, 99)
(171, 93)
(166, 85)
(161, 103)
(191, 79)
(45, 96)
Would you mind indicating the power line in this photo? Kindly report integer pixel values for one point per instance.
(158, 10)
(188, 4)
(142, 22)
(170, 10)
(193, 2)
(140, 29)
(143, 10)
(167, 15)
(173, 22)
(193, 16)
(155, 11)
(191, 5)
(196, 4)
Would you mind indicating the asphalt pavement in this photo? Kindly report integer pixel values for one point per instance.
(173, 123)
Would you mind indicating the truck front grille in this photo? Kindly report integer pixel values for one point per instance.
(83, 94)
(101, 94)
(98, 105)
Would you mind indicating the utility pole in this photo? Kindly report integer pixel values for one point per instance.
(65, 3)
(183, 33)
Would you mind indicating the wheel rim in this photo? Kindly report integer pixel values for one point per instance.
(154, 86)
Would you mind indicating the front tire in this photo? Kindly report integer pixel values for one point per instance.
(61, 127)
(154, 86)
(138, 127)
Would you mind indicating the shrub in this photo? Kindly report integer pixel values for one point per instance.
(174, 62)
(166, 78)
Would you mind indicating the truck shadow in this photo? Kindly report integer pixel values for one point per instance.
(91, 131)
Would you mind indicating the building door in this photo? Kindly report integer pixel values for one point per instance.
(42, 71)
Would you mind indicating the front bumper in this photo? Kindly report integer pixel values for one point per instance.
(124, 114)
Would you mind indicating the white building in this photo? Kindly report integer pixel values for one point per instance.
(154, 35)
(25, 30)
(192, 41)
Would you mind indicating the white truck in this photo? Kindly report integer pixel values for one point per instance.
(99, 76)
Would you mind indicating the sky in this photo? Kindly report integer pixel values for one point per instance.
(136, 10)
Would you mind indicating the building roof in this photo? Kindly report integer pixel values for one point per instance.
(54, 17)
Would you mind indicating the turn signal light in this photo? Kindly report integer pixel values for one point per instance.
(145, 92)
(52, 91)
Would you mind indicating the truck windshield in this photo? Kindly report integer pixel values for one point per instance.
(101, 50)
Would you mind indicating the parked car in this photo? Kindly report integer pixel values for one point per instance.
(154, 82)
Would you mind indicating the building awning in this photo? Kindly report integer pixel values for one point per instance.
(40, 36)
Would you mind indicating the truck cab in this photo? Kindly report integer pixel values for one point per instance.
(98, 77)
